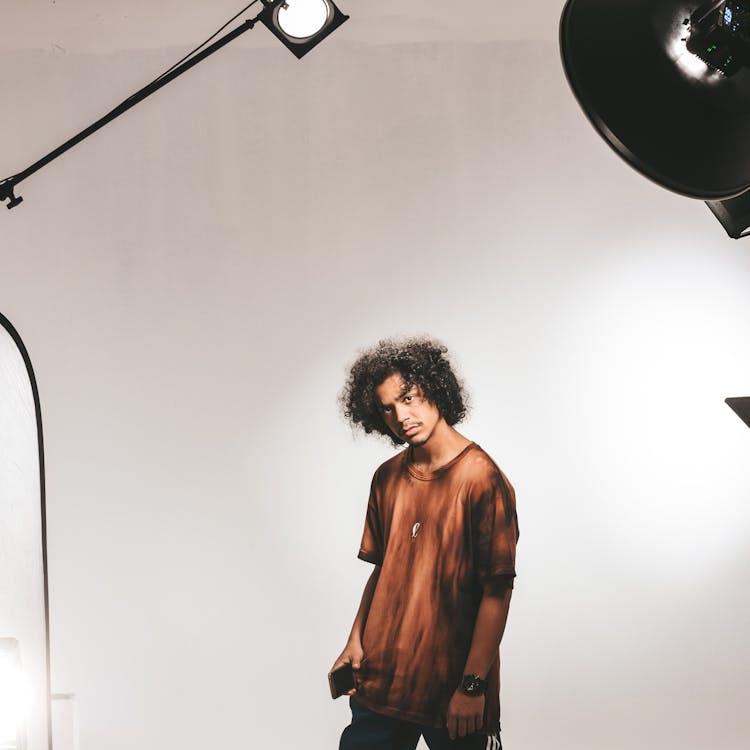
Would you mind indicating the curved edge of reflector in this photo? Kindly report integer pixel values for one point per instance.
(611, 139)
(16, 337)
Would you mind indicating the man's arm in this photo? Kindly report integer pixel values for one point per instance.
(465, 712)
(353, 650)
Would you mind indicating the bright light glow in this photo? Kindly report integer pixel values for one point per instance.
(15, 698)
(691, 64)
(303, 18)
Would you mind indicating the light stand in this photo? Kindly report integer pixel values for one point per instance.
(268, 16)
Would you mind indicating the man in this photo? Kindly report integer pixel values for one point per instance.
(441, 530)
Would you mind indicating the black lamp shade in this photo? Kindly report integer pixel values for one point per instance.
(683, 125)
(301, 46)
(741, 407)
(733, 213)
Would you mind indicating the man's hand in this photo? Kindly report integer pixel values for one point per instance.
(352, 654)
(465, 714)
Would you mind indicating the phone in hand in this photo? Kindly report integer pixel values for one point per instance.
(341, 680)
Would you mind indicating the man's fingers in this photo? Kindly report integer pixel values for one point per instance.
(452, 728)
(462, 727)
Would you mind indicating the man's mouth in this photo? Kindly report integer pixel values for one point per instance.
(410, 430)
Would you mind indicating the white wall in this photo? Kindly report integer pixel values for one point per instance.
(191, 283)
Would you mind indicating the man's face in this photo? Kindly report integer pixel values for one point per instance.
(406, 412)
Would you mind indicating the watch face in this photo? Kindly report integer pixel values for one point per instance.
(473, 684)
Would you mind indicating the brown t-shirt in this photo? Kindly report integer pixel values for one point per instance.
(438, 536)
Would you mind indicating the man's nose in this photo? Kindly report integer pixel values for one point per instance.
(402, 413)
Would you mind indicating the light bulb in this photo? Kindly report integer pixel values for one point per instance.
(301, 19)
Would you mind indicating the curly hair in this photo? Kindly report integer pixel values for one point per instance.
(421, 361)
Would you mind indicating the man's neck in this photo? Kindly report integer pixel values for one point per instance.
(443, 445)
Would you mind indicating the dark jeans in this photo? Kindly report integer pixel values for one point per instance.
(372, 731)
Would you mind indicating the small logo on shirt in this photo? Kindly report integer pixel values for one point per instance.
(415, 530)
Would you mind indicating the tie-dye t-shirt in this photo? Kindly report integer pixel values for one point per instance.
(438, 536)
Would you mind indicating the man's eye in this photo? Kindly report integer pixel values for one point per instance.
(386, 410)
(408, 399)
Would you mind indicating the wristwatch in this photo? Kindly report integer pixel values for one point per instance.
(473, 684)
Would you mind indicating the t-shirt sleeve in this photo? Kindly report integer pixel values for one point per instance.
(496, 531)
(371, 547)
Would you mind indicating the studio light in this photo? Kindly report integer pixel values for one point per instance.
(741, 407)
(299, 24)
(668, 88)
(302, 24)
(24, 593)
